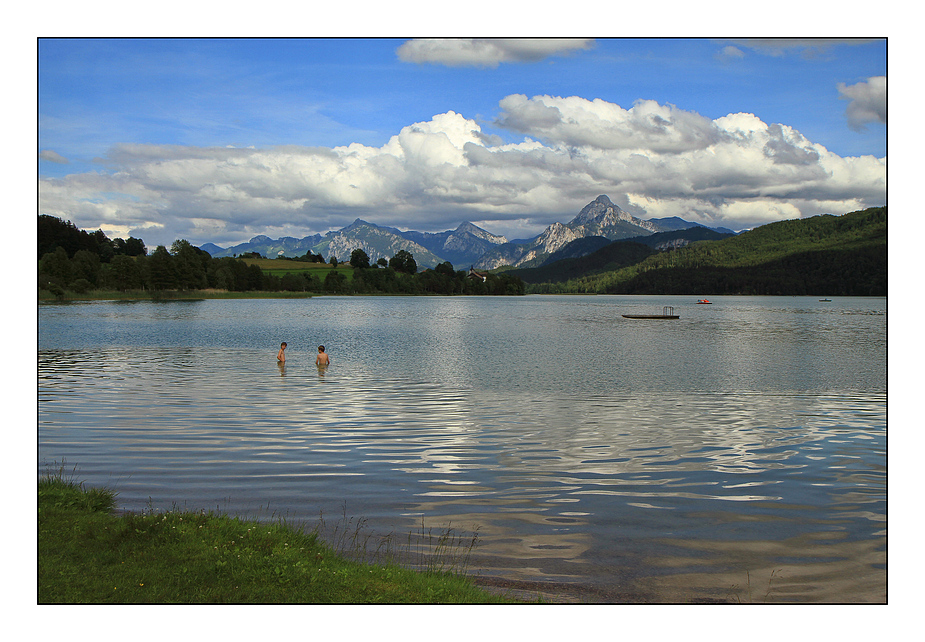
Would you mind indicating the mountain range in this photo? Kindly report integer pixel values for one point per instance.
(829, 255)
(469, 245)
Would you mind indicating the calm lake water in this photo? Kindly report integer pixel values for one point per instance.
(738, 453)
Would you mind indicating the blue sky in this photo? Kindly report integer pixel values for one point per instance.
(221, 139)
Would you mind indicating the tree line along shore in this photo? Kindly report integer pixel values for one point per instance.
(822, 255)
(75, 264)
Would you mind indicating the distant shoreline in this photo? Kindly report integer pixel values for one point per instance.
(200, 295)
(169, 295)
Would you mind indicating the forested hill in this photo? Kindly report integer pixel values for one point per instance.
(823, 255)
(612, 256)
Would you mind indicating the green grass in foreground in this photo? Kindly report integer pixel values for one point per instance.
(88, 555)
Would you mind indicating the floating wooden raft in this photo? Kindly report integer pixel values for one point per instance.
(667, 313)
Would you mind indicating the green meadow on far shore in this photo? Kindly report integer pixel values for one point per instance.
(281, 267)
(87, 554)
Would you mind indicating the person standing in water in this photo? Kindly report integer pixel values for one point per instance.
(281, 355)
(322, 359)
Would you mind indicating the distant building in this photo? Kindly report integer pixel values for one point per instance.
(477, 275)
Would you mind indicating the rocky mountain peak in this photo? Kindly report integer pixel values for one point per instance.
(468, 228)
(600, 211)
(600, 217)
(557, 236)
(355, 225)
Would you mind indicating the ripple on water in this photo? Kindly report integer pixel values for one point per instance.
(610, 460)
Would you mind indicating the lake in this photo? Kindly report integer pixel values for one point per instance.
(737, 453)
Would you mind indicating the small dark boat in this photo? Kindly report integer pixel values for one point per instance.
(825, 300)
(667, 313)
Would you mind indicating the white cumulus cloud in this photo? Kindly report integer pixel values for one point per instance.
(652, 159)
(598, 123)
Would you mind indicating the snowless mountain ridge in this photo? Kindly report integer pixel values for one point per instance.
(467, 245)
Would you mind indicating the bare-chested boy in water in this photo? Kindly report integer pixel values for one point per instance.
(322, 359)
(281, 355)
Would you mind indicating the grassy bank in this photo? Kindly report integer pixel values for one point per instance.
(86, 554)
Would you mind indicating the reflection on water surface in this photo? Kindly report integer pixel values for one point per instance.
(659, 461)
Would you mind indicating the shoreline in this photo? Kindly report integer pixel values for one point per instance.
(90, 552)
(169, 295)
(202, 295)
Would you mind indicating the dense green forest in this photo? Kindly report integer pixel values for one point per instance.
(822, 255)
(609, 258)
(73, 261)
